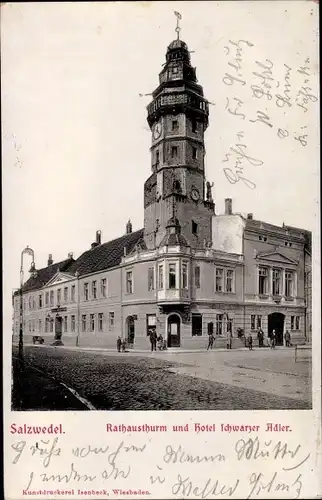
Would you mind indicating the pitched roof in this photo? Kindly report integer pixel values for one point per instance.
(284, 229)
(46, 274)
(106, 255)
(96, 259)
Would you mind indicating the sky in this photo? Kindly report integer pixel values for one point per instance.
(74, 133)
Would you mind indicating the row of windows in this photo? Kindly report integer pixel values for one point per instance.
(264, 238)
(172, 277)
(64, 295)
(256, 322)
(277, 289)
(224, 278)
(93, 292)
(89, 322)
(224, 283)
(223, 323)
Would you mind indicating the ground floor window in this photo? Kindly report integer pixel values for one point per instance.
(151, 323)
(295, 322)
(73, 323)
(219, 322)
(100, 322)
(255, 321)
(92, 322)
(84, 323)
(65, 324)
(51, 326)
(39, 325)
(210, 328)
(196, 325)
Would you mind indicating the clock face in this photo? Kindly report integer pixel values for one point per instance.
(157, 131)
(195, 194)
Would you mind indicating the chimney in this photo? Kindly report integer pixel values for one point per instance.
(250, 216)
(97, 242)
(70, 255)
(129, 227)
(228, 206)
(50, 260)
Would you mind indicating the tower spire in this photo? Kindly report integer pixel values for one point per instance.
(178, 29)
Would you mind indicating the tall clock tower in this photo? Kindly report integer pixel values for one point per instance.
(178, 118)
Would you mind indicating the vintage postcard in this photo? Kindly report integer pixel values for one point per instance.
(161, 234)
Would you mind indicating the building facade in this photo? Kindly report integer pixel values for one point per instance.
(189, 272)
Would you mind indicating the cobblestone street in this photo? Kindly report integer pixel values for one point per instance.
(173, 381)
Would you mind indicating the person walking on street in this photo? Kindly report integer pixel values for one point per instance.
(250, 342)
(123, 345)
(273, 339)
(210, 341)
(118, 344)
(229, 339)
(287, 338)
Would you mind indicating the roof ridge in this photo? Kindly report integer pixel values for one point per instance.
(56, 263)
(120, 237)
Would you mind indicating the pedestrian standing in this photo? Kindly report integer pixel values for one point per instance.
(123, 345)
(260, 337)
(273, 339)
(118, 344)
(160, 342)
(153, 340)
(250, 342)
(287, 339)
(210, 341)
(229, 339)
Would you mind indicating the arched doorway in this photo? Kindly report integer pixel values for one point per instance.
(130, 329)
(276, 322)
(174, 330)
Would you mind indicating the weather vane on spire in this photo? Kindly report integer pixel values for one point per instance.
(178, 29)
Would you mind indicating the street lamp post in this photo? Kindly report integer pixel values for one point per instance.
(26, 251)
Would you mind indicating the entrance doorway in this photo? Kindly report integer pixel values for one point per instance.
(196, 324)
(276, 322)
(130, 330)
(58, 328)
(174, 330)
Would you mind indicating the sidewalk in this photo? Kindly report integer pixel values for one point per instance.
(34, 390)
(171, 350)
